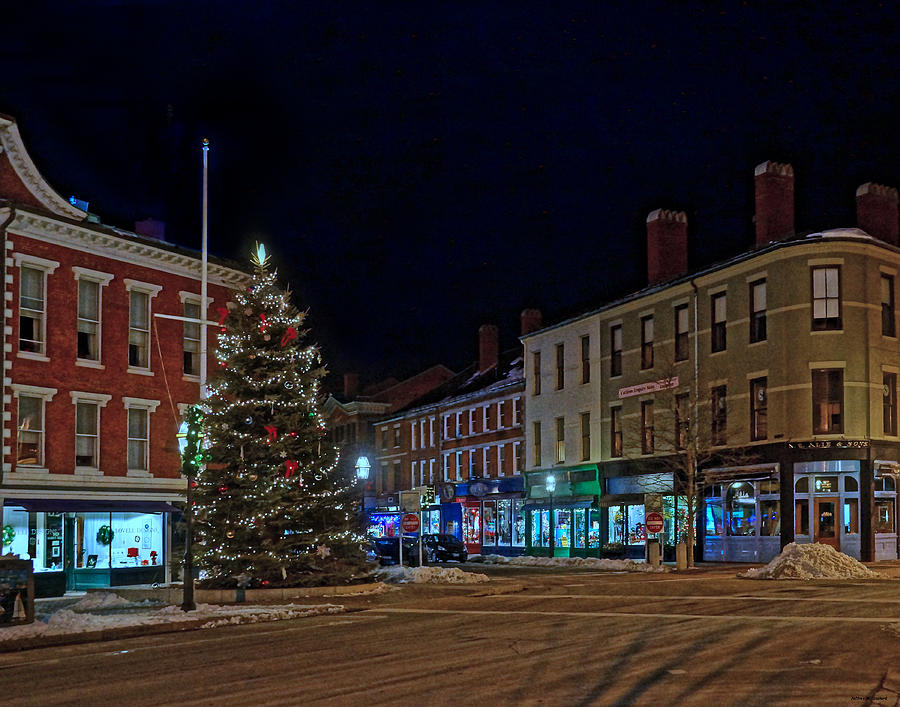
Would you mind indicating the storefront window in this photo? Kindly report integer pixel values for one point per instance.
(740, 509)
(490, 524)
(504, 524)
(850, 483)
(637, 531)
(714, 520)
(137, 539)
(38, 537)
(431, 521)
(770, 517)
(616, 524)
(851, 515)
(471, 525)
(383, 525)
(563, 528)
(578, 529)
(545, 528)
(884, 515)
(802, 485)
(519, 523)
(594, 530)
(826, 484)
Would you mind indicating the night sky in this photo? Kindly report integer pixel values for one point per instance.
(418, 169)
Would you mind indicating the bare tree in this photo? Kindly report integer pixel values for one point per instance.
(683, 430)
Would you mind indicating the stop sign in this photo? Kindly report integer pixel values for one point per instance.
(654, 522)
(409, 523)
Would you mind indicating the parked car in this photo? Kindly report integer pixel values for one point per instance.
(440, 547)
(387, 550)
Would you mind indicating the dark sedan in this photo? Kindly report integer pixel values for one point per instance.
(440, 547)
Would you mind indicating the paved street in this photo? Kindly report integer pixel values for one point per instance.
(529, 637)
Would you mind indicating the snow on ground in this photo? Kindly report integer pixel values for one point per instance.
(431, 575)
(67, 621)
(812, 561)
(588, 562)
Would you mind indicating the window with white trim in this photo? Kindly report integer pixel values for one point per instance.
(139, 329)
(88, 346)
(501, 464)
(30, 435)
(138, 438)
(32, 310)
(87, 434)
(191, 338)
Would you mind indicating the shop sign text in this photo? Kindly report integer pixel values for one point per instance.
(651, 387)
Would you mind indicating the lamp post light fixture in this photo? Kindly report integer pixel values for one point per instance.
(362, 468)
(550, 485)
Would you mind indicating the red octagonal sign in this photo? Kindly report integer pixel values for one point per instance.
(654, 522)
(410, 523)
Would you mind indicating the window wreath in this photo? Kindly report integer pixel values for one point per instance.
(105, 535)
(9, 534)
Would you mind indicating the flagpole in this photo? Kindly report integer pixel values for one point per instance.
(187, 599)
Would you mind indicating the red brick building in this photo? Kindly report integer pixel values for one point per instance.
(466, 439)
(95, 379)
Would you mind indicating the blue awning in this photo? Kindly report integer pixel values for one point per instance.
(73, 505)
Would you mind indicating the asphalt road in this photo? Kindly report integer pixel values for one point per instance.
(561, 637)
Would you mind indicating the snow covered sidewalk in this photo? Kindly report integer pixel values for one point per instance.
(105, 615)
(430, 575)
(587, 562)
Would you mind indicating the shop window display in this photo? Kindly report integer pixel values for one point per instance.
(884, 515)
(578, 528)
(594, 530)
(715, 521)
(740, 509)
(471, 526)
(616, 516)
(637, 531)
(490, 524)
(770, 517)
(504, 522)
(563, 528)
(851, 516)
(519, 523)
(431, 522)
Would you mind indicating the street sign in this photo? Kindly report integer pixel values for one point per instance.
(654, 522)
(410, 523)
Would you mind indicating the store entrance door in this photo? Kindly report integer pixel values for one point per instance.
(826, 522)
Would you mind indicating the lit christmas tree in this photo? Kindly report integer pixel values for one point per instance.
(271, 508)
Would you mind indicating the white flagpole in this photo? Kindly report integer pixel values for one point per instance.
(204, 256)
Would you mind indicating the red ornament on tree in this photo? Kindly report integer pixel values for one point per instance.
(273, 433)
(222, 314)
(290, 467)
(262, 326)
(223, 488)
(289, 335)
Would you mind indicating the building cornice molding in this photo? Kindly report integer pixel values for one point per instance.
(27, 172)
(107, 245)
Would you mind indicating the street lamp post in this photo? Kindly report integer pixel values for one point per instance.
(551, 487)
(362, 475)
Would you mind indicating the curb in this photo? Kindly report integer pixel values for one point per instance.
(173, 595)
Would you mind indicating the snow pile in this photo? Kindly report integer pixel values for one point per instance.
(587, 562)
(103, 600)
(811, 561)
(66, 621)
(432, 575)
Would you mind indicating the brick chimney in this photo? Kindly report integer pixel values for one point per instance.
(876, 211)
(488, 346)
(774, 202)
(531, 320)
(666, 245)
(351, 385)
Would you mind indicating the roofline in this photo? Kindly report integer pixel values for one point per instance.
(801, 239)
(451, 402)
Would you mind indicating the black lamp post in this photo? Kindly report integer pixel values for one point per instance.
(189, 445)
(551, 487)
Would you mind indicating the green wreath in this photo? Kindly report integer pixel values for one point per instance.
(105, 535)
(9, 533)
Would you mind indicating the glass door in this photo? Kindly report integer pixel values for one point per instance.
(827, 522)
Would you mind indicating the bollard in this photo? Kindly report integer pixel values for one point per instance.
(653, 550)
(681, 556)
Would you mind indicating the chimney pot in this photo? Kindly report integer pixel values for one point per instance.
(488, 346)
(876, 212)
(666, 245)
(531, 320)
(774, 184)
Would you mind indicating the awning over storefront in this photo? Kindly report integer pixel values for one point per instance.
(719, 476)
(621, 499)
(561, 502)
(72, 505)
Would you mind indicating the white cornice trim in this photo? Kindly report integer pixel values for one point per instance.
(79, 396)
(147, 287)
(186, 296)
(35, 262)
(25, 170)
(106, 245)
(36, 390)
(151, 405)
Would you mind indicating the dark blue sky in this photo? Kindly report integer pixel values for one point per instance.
(419, 169)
